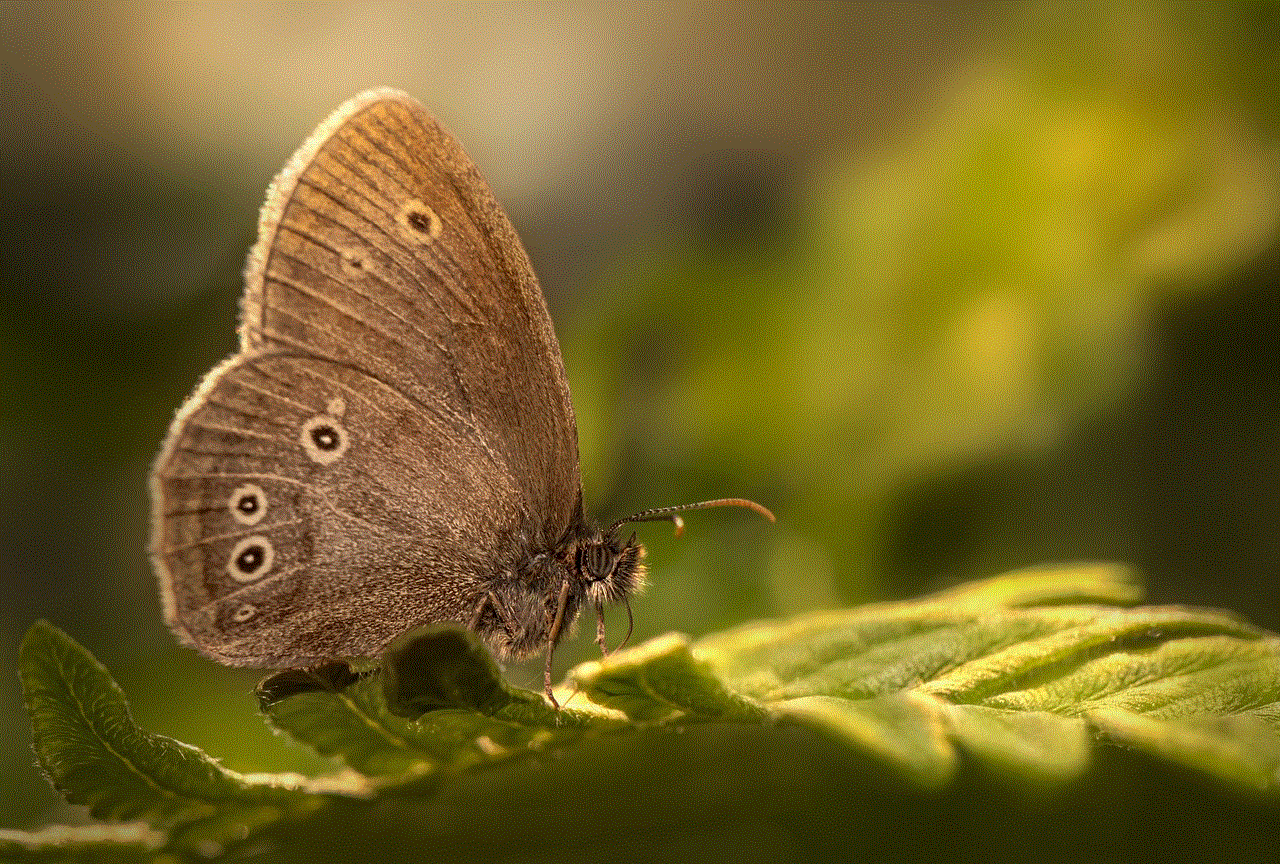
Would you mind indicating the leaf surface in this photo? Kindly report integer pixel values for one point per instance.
(1028, 678)
(93, 752)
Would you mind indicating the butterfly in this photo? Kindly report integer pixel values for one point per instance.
(394, 442)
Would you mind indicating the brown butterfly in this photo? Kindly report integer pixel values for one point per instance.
(394, 442)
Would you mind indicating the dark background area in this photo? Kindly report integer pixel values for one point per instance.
(951, 289)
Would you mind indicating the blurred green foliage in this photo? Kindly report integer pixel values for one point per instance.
(975, 289)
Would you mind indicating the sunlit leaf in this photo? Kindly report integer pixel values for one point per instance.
(1027, 678)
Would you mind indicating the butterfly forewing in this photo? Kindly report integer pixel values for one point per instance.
(397, 424)
(385, 248)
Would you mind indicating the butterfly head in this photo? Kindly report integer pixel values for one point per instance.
(610, 569)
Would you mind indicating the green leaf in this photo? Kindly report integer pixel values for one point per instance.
(91, 750)
(1027, 679)
(447, 667)
(1017, 672)
(660, 679)
(333, 676)
(83, 844)
(997, 669)
(352, 725)
(89, 747)
(1040, 747)
(440, 706)
(1238, 748)
(903, 730)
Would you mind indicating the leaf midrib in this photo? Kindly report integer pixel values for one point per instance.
(92, 726)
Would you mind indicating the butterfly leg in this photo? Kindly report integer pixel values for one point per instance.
(486, 602)
(546, 677)
(489, 603)
(554, 637)
(604, 649)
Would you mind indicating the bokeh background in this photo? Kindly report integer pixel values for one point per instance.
(953, 289)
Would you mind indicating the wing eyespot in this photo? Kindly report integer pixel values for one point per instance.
(251, 559)
(248, 504)
(324, 439)
(353, 263)
(420, 221)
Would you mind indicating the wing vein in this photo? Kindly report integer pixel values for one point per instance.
(233, 454)
(210, 400)
(215, 538)
(373, 301)
(456, 272)
(406, 269)
(343, 387)
(220, 475)
(247, 433)
(332, 304)
(428, 408)
(346, 388)
(195, 511)
(279, 574)
(462, 197)
(251, 364)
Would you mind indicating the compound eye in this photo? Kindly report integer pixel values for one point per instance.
(599, 561)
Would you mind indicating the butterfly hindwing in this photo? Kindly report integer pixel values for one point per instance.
(284, 538)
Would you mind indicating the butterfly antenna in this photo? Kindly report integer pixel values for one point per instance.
(662, 514)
